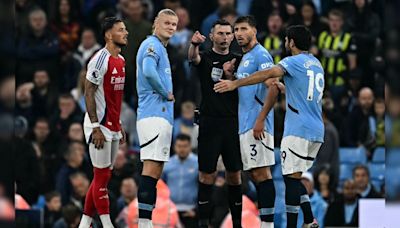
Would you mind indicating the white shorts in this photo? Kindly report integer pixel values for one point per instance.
(155, 135)
(108, 134)
(256, 153)
(297, 154)
(105, 157)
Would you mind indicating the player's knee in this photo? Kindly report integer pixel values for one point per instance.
(233, 178)
(261, 174)
(207, 178)
(152, 169)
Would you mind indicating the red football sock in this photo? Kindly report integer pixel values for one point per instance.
(100, 191)
(89, 208)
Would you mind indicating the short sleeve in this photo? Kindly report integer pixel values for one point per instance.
(97, 68)
(264, 62)
(285, 64)
(151, 50)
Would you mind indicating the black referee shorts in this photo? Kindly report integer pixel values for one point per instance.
(218, 136)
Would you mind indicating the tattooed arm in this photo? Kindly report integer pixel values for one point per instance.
(98, 138)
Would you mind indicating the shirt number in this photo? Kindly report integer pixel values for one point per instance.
(317, 82)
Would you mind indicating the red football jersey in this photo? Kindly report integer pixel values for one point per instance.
(108, 73)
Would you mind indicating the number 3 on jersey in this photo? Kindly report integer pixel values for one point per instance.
(318, 81)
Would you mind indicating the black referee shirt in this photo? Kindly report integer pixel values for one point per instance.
(210, 70)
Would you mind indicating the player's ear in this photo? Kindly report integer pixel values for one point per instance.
(108, 35)
(211, 36)
(291, 43)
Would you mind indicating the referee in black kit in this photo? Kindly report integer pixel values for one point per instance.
(218, 126)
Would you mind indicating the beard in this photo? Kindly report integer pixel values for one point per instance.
(288, 50)
(120, 45)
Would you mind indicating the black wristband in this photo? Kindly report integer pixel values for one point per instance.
(195, 44)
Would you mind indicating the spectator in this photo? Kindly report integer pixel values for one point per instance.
(70, 217)
(79, 90)
(80, 187)
(45, 145)
(23, 105)
(365, 27)
(87, 47)
(309, 18)
(179, 45)
(123, 168)
(329, 152)
(75, 134)
(261, 9)
(274, 41)
(181, 176)
(122, 7)
(359, 134)
(172, 4)
(344, 210)
(336, 60)
(27, 170)
(43, 94)
(185, 123)
(142, 28)
(210, 19)
(52, 209)
(128, 193)
(353, 90)
(362, 183)
(22, 10)
(39, 47)
(67, 28)
(324, 183)
(377, 122)
(68, 113)
(74, 162)
(318, 204)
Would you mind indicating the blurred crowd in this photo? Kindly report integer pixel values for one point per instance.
(354, 39)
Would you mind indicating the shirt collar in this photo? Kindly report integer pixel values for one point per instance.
(366, 191)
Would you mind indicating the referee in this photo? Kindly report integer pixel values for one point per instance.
(218, 127)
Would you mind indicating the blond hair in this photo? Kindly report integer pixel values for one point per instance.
(169, 12)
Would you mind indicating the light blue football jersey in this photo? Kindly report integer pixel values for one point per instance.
(304, 81)
(152, 104)
(251, 98)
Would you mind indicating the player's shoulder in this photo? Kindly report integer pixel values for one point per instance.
(121, 57)
(152, 41)
(99, 58)
(262, 52)
(100, 54)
